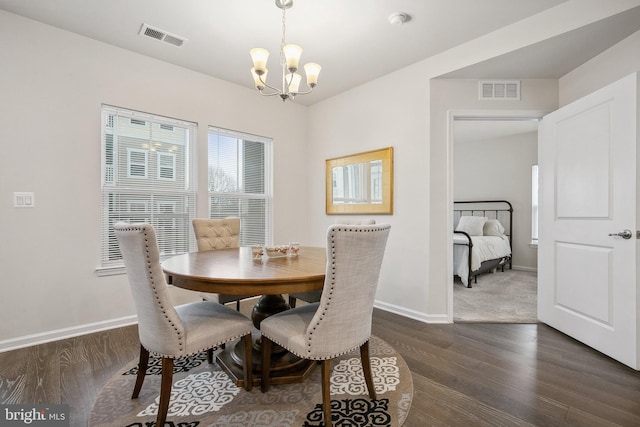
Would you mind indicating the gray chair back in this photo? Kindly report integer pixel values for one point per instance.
(342, 321)
(159, 326)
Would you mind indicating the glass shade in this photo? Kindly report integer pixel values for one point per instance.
(259, 57)
(256, 78)
(295, 79)
(312, 70)
(292, 54)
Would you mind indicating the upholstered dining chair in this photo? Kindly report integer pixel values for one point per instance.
(341, 321)
(167, 331)
(215, 234)
(314, 296)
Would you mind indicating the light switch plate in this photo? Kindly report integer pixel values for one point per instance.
(23, 199)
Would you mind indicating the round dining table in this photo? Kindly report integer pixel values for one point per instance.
(237, 272)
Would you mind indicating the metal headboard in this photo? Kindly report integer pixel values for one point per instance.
(502, 210)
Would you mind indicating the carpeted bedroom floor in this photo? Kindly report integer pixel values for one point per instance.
(501, 297)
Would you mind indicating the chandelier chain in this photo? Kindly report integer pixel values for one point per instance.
(283, 60)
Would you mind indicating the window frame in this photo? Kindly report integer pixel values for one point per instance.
(120, 190)
(244, 198)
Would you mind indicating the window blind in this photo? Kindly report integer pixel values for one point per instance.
(240, 183)
(147, 164)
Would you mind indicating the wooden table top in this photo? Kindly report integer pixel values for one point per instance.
(235, 272)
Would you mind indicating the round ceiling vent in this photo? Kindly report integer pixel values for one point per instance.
(398, 18)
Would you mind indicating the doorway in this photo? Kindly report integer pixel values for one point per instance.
(492, 157)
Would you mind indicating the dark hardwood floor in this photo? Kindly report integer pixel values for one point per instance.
(464, 374)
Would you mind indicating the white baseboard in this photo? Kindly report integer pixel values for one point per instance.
(412, 314)
(59, 334)
(523, 268)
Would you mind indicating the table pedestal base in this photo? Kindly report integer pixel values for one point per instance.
(286, 368)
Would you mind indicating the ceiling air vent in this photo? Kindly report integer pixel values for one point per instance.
(499, 89)
(162, 35)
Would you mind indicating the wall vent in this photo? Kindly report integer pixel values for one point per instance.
(499, 90)
(162, 35)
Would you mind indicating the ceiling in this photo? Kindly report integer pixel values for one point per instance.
(351, 39)
(555, 57)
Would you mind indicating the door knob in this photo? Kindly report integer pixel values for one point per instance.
(625, 234)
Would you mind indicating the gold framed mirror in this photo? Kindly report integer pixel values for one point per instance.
(360, 183)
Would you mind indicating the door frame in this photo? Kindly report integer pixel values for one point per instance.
(474, 115)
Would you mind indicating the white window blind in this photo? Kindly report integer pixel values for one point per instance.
(240, 183)
(147, 164)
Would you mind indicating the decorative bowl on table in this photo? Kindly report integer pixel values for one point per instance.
(294, 248)
(277, 251)
(256, 251)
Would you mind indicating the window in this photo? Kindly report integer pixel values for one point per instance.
(534, 204)
(167, 166)
(147, 165)
(239, 170)
(137, 163)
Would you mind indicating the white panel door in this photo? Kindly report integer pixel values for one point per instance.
(587, 277)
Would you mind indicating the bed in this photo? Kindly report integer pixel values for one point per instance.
(482, 238)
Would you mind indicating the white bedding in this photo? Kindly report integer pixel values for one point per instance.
(484, 248)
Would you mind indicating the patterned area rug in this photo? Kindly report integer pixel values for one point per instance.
(203, 395)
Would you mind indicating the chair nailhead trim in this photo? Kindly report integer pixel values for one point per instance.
(332, 283)
(164, 311)
(155, 291)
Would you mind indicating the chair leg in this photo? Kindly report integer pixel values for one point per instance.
(248, 362)
(292, 302)
(266, 364)
(210, 355)
(366, 368)
(238, 305)
(165, 390)
(142, 371)
(326, 391)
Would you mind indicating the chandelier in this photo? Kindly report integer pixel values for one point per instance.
(289, 59)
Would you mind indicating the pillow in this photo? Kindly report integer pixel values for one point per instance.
(493, 228)
(472, 225)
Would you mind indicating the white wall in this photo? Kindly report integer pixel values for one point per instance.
(52, 81)
(500, 169)
(512, 166)
(401, 110)
(52, 85)
(608, 67)
(461, 95)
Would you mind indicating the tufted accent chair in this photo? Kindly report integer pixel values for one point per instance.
(215, 234)
(212, 234)
(314, 296)
(167, 331)
(341, 321)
